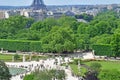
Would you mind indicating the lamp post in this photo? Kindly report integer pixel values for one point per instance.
(79, 69)
(93, 52)
(79, 66)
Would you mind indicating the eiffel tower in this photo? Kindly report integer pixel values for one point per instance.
(38, 4)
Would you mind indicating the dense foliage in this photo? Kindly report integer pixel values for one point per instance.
(20, 45)
(46, 75)
(102, 50)
(4, 71)
(109, 75)
(62, 35)
(84, 16)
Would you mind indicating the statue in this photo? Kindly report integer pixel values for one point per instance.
(23, 57)
(93, 52)
(13, 59)
(1, 50)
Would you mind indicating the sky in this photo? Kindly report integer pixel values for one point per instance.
(57, 2)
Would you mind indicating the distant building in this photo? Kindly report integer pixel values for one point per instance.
(54, 14)
(37, 10)
(82, 20)
(69, 13)
(2, 14)
(38, 5)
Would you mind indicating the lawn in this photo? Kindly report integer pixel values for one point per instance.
(75, 70)
(107, 65)
(8, 57)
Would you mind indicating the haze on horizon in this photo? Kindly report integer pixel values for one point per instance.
(57, 2)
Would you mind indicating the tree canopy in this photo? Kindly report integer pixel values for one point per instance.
(4, 71)
(65, 34)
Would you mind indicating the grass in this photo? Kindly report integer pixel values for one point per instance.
(8, 57)
(75, 70)
(107, 65)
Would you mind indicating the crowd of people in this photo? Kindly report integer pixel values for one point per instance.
(51, 63)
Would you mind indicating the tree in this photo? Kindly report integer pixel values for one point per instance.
(67, 21)
(59, 39)
(4, 71)
(116, 44)
(102, 39)
(103, 27)
(11, 26)
(59, 48)
(69, 46)
(16, 56)
(84, 16)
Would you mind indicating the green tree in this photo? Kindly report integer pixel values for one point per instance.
(59, 39)
(116, 44)
(102, 39)
(4, 71)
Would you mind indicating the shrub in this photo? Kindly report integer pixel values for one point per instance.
(4, 71)
(95, 67)
(46, 75)
(29, 77)
(16, 56)
(109, 75)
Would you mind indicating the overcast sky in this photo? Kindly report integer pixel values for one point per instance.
(57, 2)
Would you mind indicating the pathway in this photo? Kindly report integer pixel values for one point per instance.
(49, 63)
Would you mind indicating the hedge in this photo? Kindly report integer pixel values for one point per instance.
(102, 49)
(19, 45)
(35, 46)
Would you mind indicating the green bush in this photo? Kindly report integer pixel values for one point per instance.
(109, 75)
(29, 77)
(4, 71)
(16, 56)
(95, 66)
(46, 75)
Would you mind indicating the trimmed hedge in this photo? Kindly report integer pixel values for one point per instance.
(35, 46)
(18, 45)
(102, 49)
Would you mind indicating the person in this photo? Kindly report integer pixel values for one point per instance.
(21, 76)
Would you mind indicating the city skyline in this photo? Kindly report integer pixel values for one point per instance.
(57, 2)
